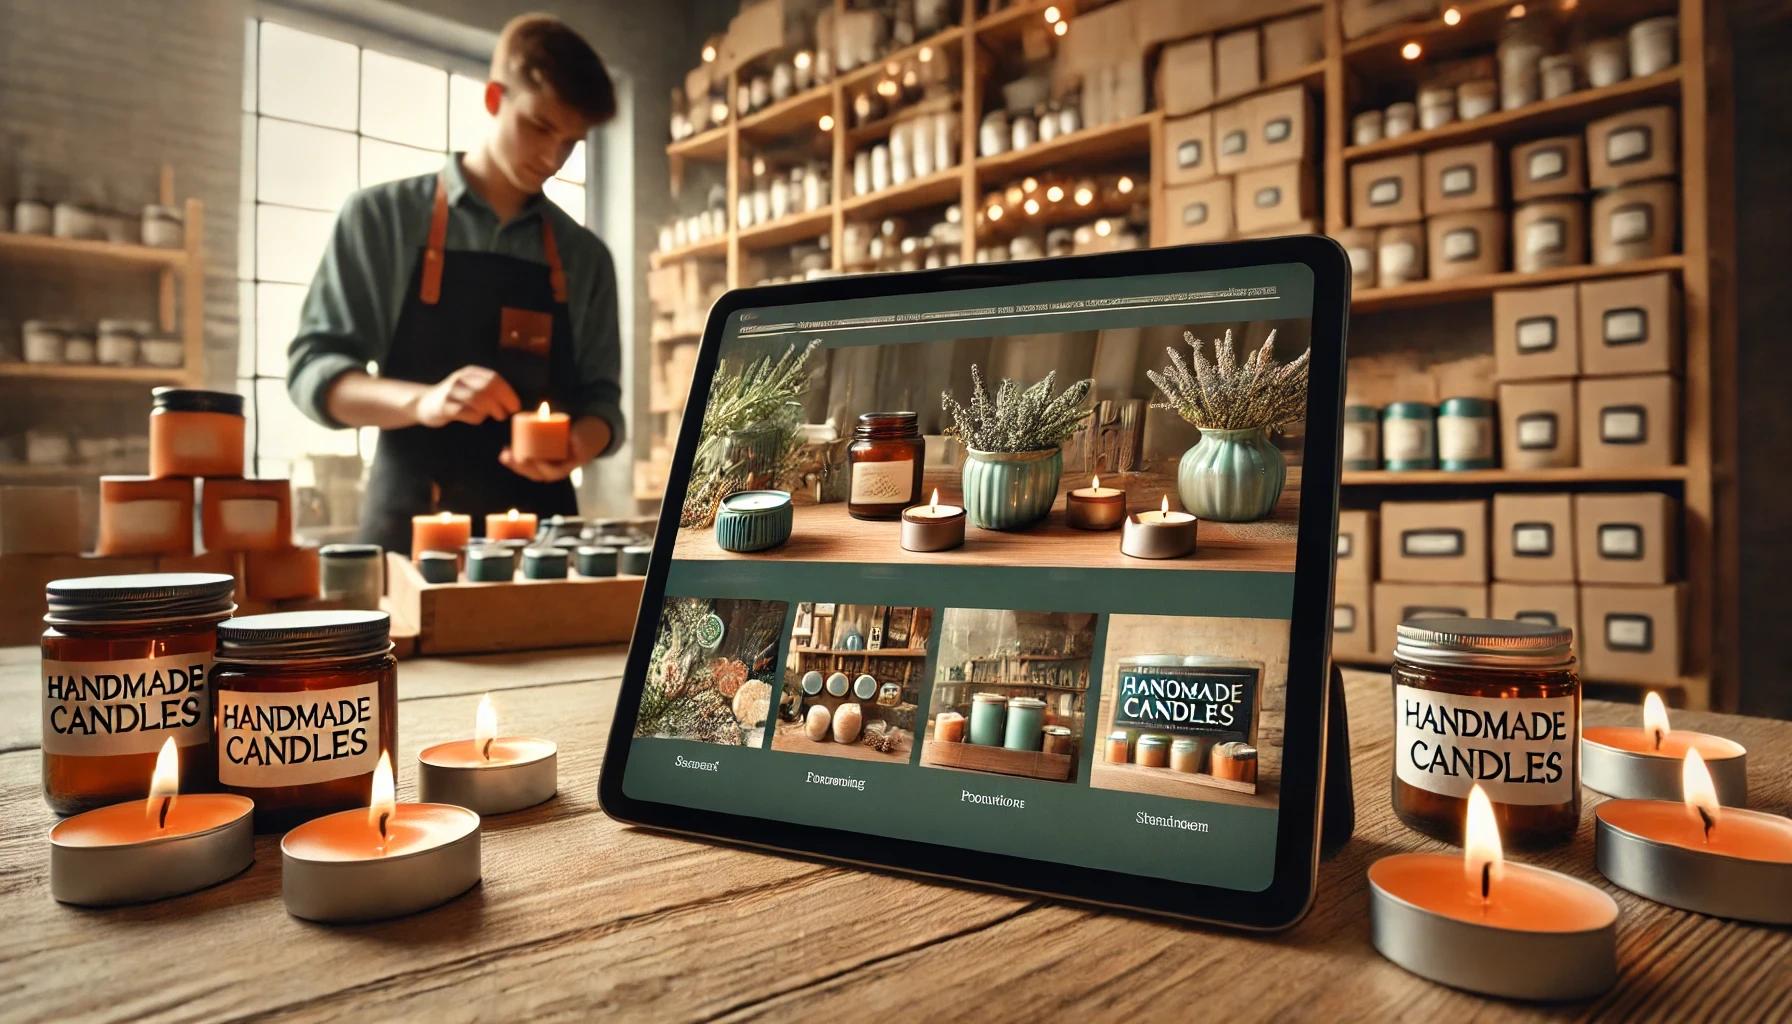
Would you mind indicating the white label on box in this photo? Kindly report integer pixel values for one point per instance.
(1268, 197)
(1189, 153)
(1398, 259)
(1194, 213)
(298, 737)
(1462, 244)
(103, 708)
(1537, 431)
(249, 516)
(1461, 438)
(1622, 426)
(1233, 142)
(1431, 543)
(1536, 540)
(1543, 236)
(1458, 181)
(1362, 261)
(1537, 334)
(1625, 326)
(1343, 618)
(1546, 164)
(129, 523)
(1408, 440)
(1519, 750)
(1629, 632)
(1620, 540)
(1384, 192)
(1627, 145)
(1344, 545)
(1278, 130)
(883, 483)
(1630, 224)
(1539, 617)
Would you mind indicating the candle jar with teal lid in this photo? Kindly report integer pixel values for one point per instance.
(1026, 724)
(753, 520)
(988, 714)
(1408, 436)
(1465, 434)
(1362, 437)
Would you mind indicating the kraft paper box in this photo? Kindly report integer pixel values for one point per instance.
(1234, 138)
(1356, 545)
(1632, 634)
(1187, 155)
(1466, 244)
(40, 521)
(1361, 17)
(1630, 325)
(1433, 541)
(1309, 226)
(1353, 620)
(1628, 422)
(1549, 167)
(1282, 127)
(1537, 425)
(282, 574)
(1397, 602)
(1399, 254)
(1551, 604)
(1185, 76)
(1633, 146)
(1635, 222)
(1466, 377)
(1549, 233)
(1386, 191)
(1290, 45)
(1626, 538)
(22, 599)
(1237, 63)
(1198, 213)
(1461, 178)
(1272, 197)
(1359, 244)
(1533, 538)
(1536, 333)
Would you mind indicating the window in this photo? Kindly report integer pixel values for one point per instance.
(323, 117)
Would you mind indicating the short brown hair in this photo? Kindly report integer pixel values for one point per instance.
(539, 51)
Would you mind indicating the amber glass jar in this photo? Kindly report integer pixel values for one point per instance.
(195, 433)
(306, 703)
(127, 663)
(1493, 703)
(885, 463)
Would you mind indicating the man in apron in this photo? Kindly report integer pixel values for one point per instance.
(472, 297)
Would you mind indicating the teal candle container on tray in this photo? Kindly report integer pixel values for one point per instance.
(1011, 490)
(1465, 434)
(753, 520)
(989, 712)
(1232, 476)
(1409, 436)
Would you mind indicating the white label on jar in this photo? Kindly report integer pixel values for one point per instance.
(248, 515)
(1398, 258)
(1359, 441)
(1343, 618)
(1464, 437)
(148, 519)
(102, 708)
(297, 737)
(1546, 164)
(1362, 261)
(1189, 153)
(1627, 145)
(1537, 334)
(1535, 539)
(1458, 181)
(1462, 244)
(1405, 440)
(1543, 236)
(1630, 224)
(1384, 192)
(1625, 326)
(1520, 750)
(883, 483)
(1194, 213)
(1431, 543)
(1620, 540)
(1537, 431)
(1621, 426)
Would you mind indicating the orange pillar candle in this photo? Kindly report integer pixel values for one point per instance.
(1644, 763)
(442, 531)
(948, 727)
(512, 525)
(281, 574)
(542, 435)
(143, 515)
(489, 774)
(195, 433)
(245, 515)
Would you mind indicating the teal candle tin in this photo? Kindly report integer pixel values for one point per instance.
(988, 711)
(598, 560)
(864, 687)
(544, 564)
(1025, 729)
(1362, 437)
(1465, 434)
(753, 520)
(837, 684)
(812, 683)
(1409, 436)
(635, 558)
(490, 564)
(439, 566)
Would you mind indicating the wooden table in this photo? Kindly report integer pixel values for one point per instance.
(580, 917)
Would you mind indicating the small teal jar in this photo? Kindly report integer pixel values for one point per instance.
(635, 559)
(490, 564)
(1025, 729)
(1465, 434)
(1362, 437)
(812, 683)
(598, 560)
(1011, 490)
(1232, 476)
(1409, 436)
(753, 520)
(988, 712)
(544, 564)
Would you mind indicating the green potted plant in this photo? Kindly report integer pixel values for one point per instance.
(1234, 474)
(1012, 448)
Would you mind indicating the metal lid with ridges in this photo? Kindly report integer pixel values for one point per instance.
(333, 635)
(196, 400)
(1494, 643)
(139, 597)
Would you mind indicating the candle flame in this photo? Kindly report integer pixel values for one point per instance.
(513, 515)
(543, 411)
(1165, 509)
(935, 503)
(1482, 858)
(385, 798)
(446, 516)
(485, 726)
(1095, 484)
(164, 783)
(1655, 718)
(1698, 792)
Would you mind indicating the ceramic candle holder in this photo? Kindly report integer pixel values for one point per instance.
(1095, 507)
(352, 574)
(490, 563)
(753, 520)
(1160, 534)
(932, 527)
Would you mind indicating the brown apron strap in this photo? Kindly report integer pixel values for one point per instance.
(431, 289)
(551, 250)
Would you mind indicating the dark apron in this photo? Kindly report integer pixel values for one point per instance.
(482, 309)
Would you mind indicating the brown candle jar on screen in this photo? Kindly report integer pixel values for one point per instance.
(306, 703)
(885, 463)
(1489, 703)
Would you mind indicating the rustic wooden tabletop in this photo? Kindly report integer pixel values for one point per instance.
(580, 917)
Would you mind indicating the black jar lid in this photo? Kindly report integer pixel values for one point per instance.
(285, 637)
(350, 551)
(196, 400)
(140, 597)
(1484, 643)
(886, 425)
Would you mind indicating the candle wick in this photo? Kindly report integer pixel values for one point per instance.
(384, 817)
(486, 751)
(1486, 880)
(162, 818)
(1705, 816)
(1657, 739)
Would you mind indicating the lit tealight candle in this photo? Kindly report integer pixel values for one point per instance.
(441, 531)
(1478, 923)
(489, 774)
(1697, 854)
(933, 526)
(384, 861)
(1644, 763)
(1160, 534)
(512, 525)
(151, 849)
(542, 435)
(1096, 507)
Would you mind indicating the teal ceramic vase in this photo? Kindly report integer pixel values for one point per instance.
(1232, 476)
(1010, 490)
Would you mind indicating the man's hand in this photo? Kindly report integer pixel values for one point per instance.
(590, 436)
(471, 394)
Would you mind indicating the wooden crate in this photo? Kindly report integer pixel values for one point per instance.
(1161, 781)
(976, 757)
(472, 618)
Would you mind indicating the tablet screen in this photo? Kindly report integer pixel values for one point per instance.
(1097, 674)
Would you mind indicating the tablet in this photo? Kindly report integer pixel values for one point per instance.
(1113, 689)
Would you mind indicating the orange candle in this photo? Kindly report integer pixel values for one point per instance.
(948, 727)
(1645, 763)
(512, 525)
(542, 435)
(489, 774)
(443, 531)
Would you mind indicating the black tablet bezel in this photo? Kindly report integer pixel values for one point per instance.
(1290, 893)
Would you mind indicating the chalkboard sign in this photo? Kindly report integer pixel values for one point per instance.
(1215, 698)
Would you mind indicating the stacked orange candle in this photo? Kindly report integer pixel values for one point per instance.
(543, 436)
(512, 525)
(443, 531)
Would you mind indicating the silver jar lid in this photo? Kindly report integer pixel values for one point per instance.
(1483, 643)
(300, 637)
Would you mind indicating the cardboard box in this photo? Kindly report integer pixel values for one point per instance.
(1361, 17)
(245, 515)
(1237, 63)
(1359, 245)
(1386, 191)
(1290, 45)
(1273, 197)
(1469, 376)
(1533, 538)
(22, 598)
(281, 574)
(1282, 126)
(1549, 233)
(40, 521)
(1632, 634)
(1461, 178)
(1466, 244)
(1537, 425)
(1552, 604)
(1184, 75)
(1536, 333)
(1356, 544)
(1434, 541)
(1397, 602)
(1628, 422)
(1309, 226)
(1549, 167)
(1186, 151)
(1198, 213)
(1234, 138)
(1635, 222)
(145, 515)
(1626, 538)
(1633, 146)
(1399, 254)
(1630, 325)
(1353, 620)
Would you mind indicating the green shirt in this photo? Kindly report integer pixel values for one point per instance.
(352, 309)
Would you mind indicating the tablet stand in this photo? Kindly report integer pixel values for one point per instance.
(1337, 804)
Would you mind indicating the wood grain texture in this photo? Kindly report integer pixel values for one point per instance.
(580, 918)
